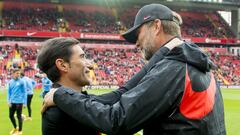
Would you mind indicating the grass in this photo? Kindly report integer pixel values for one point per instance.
(231, 104)
(232, 110)
(29, 127)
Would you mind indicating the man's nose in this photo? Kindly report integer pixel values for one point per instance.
(89, 64)
(137, 44)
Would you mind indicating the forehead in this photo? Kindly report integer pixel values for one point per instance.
(16, 72)
(77, 50)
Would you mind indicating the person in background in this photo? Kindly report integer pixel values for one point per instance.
(17, 99)
(30, 85)
(46, 85)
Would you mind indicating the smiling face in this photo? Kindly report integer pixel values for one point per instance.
(79, 67)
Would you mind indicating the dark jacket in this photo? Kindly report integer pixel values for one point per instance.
(57, 122)
(177, 96)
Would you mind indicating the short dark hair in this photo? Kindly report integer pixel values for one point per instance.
(14, 70)
(22, 74)
(53, 49)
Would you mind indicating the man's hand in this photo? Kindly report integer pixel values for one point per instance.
(9, 105)
(48, 100)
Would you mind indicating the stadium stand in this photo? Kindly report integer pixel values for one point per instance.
(43, 17)
(113, 66)
(228, 68)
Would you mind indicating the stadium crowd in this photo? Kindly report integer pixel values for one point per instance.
(228, 68)
(196, 24)
(111, 66)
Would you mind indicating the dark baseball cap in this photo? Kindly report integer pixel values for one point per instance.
(146, 14)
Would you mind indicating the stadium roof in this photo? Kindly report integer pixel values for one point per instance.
(226, 5)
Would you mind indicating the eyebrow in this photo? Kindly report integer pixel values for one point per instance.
(82, 54)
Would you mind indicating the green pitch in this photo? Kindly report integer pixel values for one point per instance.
(231, 103)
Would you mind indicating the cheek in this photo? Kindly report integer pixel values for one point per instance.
(143, 36)
(81, 71)
(77, 67)
(149, 37)
(145, 41)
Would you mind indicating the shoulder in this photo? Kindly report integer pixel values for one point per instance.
(10, 81)
(55, 121)
(49, 81)
(168, 67)
(200, 80)
(166, 73)
(52, 121)
(22, 80)
(53, 114)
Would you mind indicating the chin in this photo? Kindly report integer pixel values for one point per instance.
(83, 84)
(87, 82)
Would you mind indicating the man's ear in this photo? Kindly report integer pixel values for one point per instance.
(157, 26)
(61, 65)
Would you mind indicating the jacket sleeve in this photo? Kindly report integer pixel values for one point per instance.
(152, 97)
(113, 97)
(24, 90)
(34, 83)
(9, 93)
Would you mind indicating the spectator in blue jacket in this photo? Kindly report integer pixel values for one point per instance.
(17, 98)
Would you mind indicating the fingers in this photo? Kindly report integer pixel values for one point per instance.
(44, 108)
